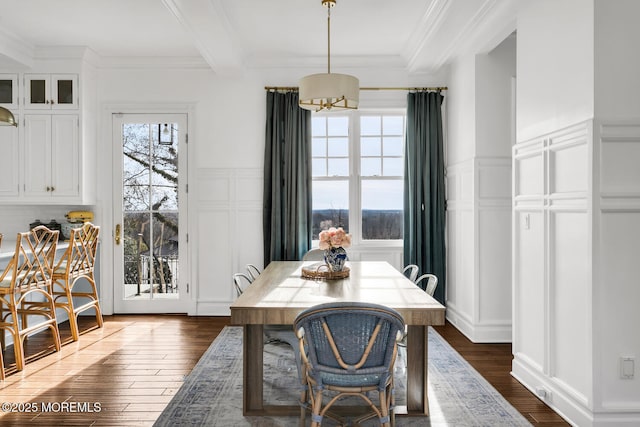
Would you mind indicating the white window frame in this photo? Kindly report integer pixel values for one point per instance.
(355, 179)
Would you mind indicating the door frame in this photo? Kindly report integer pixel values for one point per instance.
(104, 203)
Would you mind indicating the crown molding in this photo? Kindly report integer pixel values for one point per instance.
(442, 52)
(138, 62)
(318, 63)
(428, 26)
(16, 49)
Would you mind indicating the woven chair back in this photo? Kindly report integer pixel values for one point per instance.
(31, 266)
(80, 257)
(350, 338)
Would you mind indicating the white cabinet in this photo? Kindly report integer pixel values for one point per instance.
(9, 162)
(51, 164)
(51, 91)
(9, 91)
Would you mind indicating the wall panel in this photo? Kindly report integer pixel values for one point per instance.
(230, 233)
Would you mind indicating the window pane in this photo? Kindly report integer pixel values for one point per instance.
(338, 126)
(382, 206)
(338, 147)
(338, 167)
(318, 147)
(393, 146)
(393, 125)
(330, 201)
(370, 146)
(319, 167)
(393, 166)
(370, 167)
(318, 126)
(370, 125)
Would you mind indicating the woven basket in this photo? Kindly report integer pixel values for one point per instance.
(320, 271)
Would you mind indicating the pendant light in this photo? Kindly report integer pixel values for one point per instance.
(7, 118)
(329, 91)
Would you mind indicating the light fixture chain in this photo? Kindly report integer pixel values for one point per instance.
(328, 40)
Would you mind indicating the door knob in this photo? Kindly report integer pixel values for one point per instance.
(117, 234)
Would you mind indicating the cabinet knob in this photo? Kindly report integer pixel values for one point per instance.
(53, 101)
(48, 188)
(52, 188)
(46, 101)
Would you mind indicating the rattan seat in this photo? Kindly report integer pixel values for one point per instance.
(74, 267)
(349, 349)
(25, 291)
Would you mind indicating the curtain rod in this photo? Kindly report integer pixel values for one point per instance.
(294, 88)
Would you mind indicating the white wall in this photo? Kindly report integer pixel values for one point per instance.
(555, 62)
(479, 194)
(617, 66)
(616, 207)
(226, 143)
(577, 208)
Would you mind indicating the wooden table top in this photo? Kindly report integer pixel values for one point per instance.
(280, 293)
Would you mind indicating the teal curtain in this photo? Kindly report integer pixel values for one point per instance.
(424, 196)
(287, 179)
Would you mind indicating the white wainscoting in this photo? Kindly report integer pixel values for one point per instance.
(616, 293)
(576, 269)
(479, 248)
(552, 268)
(229, 224)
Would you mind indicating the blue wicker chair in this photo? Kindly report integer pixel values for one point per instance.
(348, 349)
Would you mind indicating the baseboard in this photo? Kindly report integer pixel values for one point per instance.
(479, 333)
(565, 403)
(212, 308)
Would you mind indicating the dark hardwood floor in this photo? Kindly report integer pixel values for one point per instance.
(125, 373)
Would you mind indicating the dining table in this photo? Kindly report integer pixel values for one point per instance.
(282, 291)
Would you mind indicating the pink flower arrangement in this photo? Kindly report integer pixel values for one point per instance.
(334, 237)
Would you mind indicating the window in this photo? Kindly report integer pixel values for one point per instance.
(357, 167)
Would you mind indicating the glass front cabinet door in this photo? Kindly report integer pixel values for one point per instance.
(9, 90)
(51, 91)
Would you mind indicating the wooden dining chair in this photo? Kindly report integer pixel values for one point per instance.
(74, 267)
(25, 286)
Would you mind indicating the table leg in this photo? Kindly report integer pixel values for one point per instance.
(417, 346)
(252, 359)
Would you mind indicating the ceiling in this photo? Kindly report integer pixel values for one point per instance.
(229, 35)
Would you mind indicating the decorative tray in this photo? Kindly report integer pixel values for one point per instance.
(321, 271)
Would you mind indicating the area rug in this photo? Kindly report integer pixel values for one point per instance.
(212, 393)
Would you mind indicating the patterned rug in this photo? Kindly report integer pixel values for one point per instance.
(212, 393)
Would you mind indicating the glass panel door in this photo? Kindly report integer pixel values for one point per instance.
(151, 229)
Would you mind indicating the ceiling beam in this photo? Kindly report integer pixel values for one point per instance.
(208, 27)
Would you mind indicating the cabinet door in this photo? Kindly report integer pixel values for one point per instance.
(51, 91)
(37, 91)
(9, 162)
(37, 156)
(64, 91)
(9, 90)
(65, 156)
